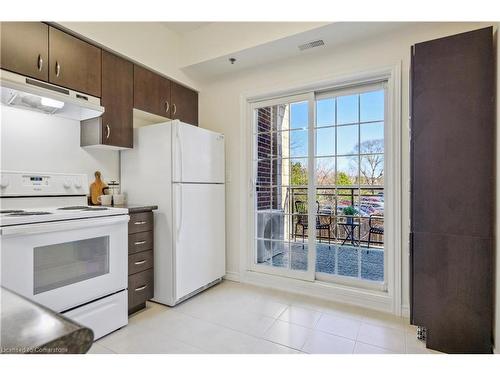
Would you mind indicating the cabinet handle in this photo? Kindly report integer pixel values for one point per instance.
(167, 106)
(58, 69)
(140, 222)
(139, 243)
(140, 262)
(108, 131)
(175, 108)
(40, 63)
(141, 288)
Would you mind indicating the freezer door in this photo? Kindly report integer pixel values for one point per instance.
(199, 233)
(198, 154)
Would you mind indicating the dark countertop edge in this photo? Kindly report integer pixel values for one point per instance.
(136, 208)
(76, 340)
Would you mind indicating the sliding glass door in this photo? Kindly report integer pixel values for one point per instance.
(282, 135)
(318, 166)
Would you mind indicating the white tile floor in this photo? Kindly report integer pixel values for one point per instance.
(237, 318)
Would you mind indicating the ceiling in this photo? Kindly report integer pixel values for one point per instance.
(333, 35)
(184, 27)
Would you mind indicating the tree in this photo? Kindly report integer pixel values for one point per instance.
(372, 162)
(299, 174)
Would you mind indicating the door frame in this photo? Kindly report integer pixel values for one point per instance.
(388, 300)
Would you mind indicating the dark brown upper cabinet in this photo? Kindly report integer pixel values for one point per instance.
(160, 96)
(184, 104)
(74, 64)
(118, 100)
(25, 48)
(151, 92)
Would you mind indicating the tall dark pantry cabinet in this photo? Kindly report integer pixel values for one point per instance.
(452, 191)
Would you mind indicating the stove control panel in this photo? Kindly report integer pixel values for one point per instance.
(14, 184)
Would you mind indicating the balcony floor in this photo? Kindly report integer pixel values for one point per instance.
(335, 259)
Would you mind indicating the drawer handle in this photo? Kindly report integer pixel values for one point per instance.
(58, 69)
(141, 288)
(140, 222)
(139, 243)
(138, 263)
(40, 63)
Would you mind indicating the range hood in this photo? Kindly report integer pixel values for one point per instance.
(31, 94)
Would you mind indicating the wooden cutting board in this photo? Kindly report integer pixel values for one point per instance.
(97, 188)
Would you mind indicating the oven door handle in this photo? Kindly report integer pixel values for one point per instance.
(56, 226)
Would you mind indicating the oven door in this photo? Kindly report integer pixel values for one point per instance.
(64, 264)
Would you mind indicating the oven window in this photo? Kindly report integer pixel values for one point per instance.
(70, 262)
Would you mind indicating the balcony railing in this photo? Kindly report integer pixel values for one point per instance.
(368, 200)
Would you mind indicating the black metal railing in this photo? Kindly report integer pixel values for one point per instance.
(332, 200)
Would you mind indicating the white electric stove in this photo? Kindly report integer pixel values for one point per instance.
(60, 252)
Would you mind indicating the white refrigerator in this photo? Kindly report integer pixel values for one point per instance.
(180, 168)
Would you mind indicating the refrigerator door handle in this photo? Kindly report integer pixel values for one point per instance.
(180, 218)
(179, 146)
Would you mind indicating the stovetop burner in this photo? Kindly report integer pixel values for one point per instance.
(82, 208)
(69, 208)
(10, 211)
(29, 213)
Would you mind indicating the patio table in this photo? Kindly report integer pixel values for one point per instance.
(350, 229)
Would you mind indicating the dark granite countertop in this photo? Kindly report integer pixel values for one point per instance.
(135, 208)
(27, 327)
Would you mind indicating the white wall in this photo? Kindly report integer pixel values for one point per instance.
(37, 142)
(220, 110)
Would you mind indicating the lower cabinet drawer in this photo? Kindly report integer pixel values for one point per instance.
(140, 242)
(140, 287)
(140, 261)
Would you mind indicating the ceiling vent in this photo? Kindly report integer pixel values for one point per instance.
(313, 44)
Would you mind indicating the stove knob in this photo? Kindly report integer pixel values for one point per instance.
(78, 183)
(67, 184)
(4, 182)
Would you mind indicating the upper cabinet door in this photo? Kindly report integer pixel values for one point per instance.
(184, 104)
(25, 48)
(74, 64)
(117, 99)
(151, 92)
(146, 90)
(165, 105)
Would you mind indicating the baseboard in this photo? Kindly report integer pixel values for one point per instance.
(372, 300)
(405, 311)
(232, 276)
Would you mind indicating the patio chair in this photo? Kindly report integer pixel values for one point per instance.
(301, 209)
(376, 226)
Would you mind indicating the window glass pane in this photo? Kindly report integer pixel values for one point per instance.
(372, 169)
(298, 172)
(372, 106)
(263, 197)
(372, 138)
(68, 263)
(347, 109)
(325, 171)
(325, 112)
(325, 142)
(264, 145)
(263, 167)
(298, 143)
(299, 115)
(347, 140)
(347, 171)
